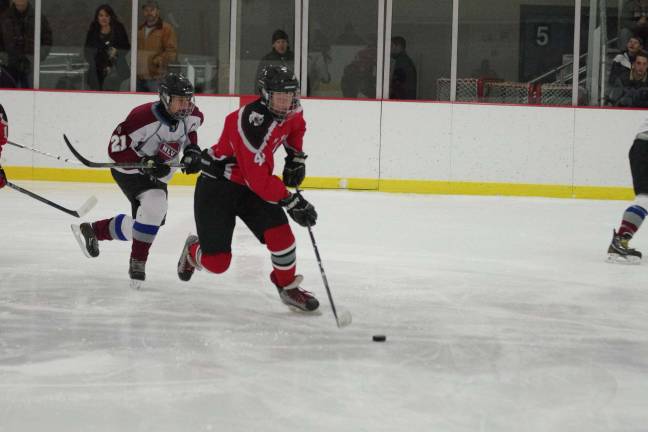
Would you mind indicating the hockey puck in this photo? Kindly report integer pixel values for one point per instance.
(379, 338)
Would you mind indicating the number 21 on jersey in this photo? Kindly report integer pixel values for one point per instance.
(118, 143)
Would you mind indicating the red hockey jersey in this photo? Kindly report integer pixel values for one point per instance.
(148, 131)
(252, 135)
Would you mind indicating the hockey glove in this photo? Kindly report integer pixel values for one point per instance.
(299, 209)
(155, 167)
(191, 159)
(294, 169)
(3, 178)
(212, 167)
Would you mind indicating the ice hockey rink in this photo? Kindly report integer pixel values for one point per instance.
(500, 313)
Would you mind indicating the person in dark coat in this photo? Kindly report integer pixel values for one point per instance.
(106, 47)
(402, 83)
(281, 55)
(17, 41)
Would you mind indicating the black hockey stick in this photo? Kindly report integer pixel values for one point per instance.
(126, 165)
(53, 156)
(343, 318)
(85, 208)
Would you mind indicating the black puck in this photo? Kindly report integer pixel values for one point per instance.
(379, 338)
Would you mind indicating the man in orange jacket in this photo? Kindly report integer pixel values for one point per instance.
(157, 46)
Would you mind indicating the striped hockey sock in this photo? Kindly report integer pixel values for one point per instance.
(143, 237)
(119, 227)
(283, 253)
(633, 217)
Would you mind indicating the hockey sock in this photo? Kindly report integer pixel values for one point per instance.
(119, 227)
(143, 236)
(633, 217)
(283, 253)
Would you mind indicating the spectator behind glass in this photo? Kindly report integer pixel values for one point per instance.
(631, 90)
(634, 21)
(359, 76)
(106, 46)
(402, 84)
(157, 46)
(281, 55)
(17, 41)
(622, 63)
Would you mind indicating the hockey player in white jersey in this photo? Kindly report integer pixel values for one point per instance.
(619, 250)
(156, 134)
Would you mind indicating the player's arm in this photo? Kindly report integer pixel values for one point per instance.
(294, 170)
(4, 128)
(191, 156)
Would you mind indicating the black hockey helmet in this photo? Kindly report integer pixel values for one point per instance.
(278, 79)
(175, 84)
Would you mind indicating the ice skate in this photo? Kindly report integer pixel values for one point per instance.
(137, 273)
(186, 265)
(87, 239)
(293, 295)
(620, 252)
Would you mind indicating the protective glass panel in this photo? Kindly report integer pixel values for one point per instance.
(187, 37)
(342, 48)
(515, 51)
(266, 32)
(421, 49)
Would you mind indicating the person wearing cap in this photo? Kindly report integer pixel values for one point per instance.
(157, 46)
(281, 55)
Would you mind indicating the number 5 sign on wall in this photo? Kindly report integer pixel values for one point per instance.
(542, 35)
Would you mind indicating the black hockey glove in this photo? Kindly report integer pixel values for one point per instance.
(215, 168)
(294, 169)
(155, 166)
(191, 159)
(300, 210)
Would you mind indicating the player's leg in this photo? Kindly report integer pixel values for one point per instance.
(215, 215)
(633, 216)
(270, 225)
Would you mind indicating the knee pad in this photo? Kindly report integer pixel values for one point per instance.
(216, 263)
(153, 207)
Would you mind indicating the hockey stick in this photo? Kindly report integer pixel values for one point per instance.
(126, 165)
(85, 208)
(343, 318)
(61, 158)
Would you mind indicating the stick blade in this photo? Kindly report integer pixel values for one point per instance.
(344, 318)
(87, 206)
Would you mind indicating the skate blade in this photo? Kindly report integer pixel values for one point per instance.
(76, 230)
(136, 284)
(619, 259)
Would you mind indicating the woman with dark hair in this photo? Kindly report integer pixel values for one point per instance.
(106, 47)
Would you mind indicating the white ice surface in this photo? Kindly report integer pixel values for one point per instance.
(500, 314)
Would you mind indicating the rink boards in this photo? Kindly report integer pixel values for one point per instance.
(418, 147)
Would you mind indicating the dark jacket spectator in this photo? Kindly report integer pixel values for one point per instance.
(281, 55)
(631, 90)
(105, 50)
(17, 40)
(6, 80)
(622, 63)
(402, 84)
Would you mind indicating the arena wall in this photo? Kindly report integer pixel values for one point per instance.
(417, 147)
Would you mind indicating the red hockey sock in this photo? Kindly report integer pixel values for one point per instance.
(281, 244)
(217, 262)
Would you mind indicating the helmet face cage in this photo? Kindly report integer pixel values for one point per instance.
(177, 85)
(276, 80)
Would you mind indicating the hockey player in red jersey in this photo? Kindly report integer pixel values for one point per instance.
(155, 134)
(4, 134)
(237, 180)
